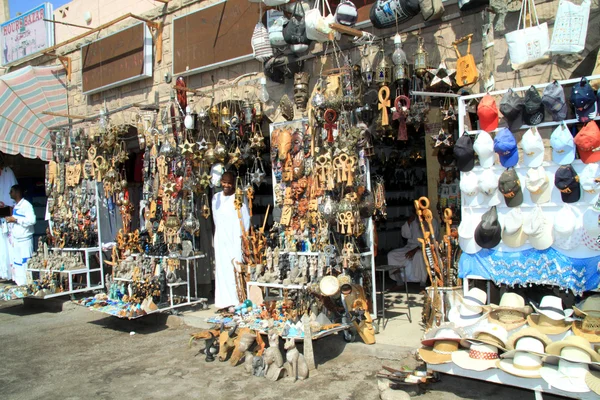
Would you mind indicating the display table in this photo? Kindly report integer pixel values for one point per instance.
(496, 375)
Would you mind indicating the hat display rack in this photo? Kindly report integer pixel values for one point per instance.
(526, 241)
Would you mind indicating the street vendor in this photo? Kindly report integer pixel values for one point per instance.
(411, 255)
(21, 223)
(227, 240)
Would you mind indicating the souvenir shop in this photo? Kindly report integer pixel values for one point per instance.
(350, 147)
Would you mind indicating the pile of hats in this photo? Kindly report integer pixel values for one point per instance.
(510, 337)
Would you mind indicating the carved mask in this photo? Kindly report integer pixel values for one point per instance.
(285, 143)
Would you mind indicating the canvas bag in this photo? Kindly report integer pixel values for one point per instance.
(431, 9)
(383, 13)
(528, 46)
(294, 31)
(316, 25)
(261, 45)
(570, 27)
(276, 32)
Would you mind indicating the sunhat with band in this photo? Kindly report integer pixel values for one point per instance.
(486, 332)
(482, 350)
(443, 342)
(575, 354)
(551, 306)
(525, 357)
(511, 313)
(589, 326)
(551, 318)
(469, 309)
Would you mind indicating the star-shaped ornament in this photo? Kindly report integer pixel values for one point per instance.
(257, 142)
(187, 148)
(441, 74)
(169, 188)
(235, 157)
(202, 145)
(442, 139)
(257, 177)
(449, 113)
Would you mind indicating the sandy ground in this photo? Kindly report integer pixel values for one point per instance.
(73, 353)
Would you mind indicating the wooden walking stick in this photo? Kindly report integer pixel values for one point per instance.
(448, 242)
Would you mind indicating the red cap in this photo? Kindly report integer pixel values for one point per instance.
(487, 113)
(588, 143)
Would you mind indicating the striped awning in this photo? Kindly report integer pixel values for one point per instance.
(24, 95)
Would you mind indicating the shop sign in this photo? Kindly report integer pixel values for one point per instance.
(214, 36)
(27, 34)
(123, 57)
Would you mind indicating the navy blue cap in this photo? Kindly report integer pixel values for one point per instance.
(567, 181)
(583, 99)
(505, 145)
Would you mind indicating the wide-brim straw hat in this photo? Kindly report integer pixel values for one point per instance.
(508, 321)
(454, 316)
(560, 381)
(589, 329)
(556, 348)
(492, 334)
(439, 353)
(531, 332)
(445, 331)
(511, 313)
(591, 305)
(468, 359)
(547, 325)
(592, 380)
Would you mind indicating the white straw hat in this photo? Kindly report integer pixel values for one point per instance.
(488, 188)
(489, 333)
(526, 359)
(469, 186)
(533, 148)
(538, 184)
(479, 357)
(512, 229)
(539, 229)
(484, 148)
(469, 310)
(551, 307)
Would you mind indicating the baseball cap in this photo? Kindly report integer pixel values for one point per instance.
(567, 228)
(464, 154)
(588, 176)
(591, 226)
(583, 99)
(567, 181)
(484, 148)
(533, 148)
(488, 232)
(488, 187)
(538, 184)
(588, 143)
(510, 186)
(563, 147)
(533, 112)
(538, 229)
(466, 232)
(511, 107)
(512, 229)
(506, 147)
(469, 187)
(554, 101)
(487, 113)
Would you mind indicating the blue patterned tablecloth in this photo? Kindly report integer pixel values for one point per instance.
(541, 267)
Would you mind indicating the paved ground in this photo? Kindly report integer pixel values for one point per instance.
(79, 354)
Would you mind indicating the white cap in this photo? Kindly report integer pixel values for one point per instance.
(591, 222)
(588, 176)
(484, 148)
(563, 146)
(539, 229)
(568, 228)
(538, 184)
(533, 148)
(512, 228)
(488, 187)
(466, 232)
(469, 188)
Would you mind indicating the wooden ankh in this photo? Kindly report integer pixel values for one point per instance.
(384, 103)
(400, 116)
(330, 117)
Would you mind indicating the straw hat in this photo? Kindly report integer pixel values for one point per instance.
(551, 307)
(444, 341)
(525, 360)
(547, 325)
(592, 303)
(479, 357)
(470, 308)
(492, 334)
(575, 353)
(592, 380)
(589, 328)
(511, 312)
(446, 331)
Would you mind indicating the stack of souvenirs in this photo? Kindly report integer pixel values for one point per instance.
(538, 342)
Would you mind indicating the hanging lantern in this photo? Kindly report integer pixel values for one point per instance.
(214, 115)
(369, 53)
(247, 112)
(259, 112)
(348, 84)
(383, 70)
(400, 61)
(225, 115)
(421, 60)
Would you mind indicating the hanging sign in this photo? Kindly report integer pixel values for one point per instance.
(27, 34)
(123, 57)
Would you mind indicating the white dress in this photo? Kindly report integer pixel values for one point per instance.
(228, 246)
(7, 180)
(22, 240)
(416, 270)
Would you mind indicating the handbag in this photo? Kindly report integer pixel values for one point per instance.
(431, 9)
(294, 31)
(466, 67)
(346, 13)
(384, 13)
(261, 45)
(276, 32)
(528, 46)
(465, 5)
(570, 27)
(316, 25)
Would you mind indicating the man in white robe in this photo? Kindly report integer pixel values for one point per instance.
(411, 255)
(22, 224)
(227, 241)
(7, 180)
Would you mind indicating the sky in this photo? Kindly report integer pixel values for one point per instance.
(26, 5)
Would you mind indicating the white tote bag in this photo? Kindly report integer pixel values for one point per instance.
(528, 46)
(570, 27)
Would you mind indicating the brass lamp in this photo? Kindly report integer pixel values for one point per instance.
(421, 59)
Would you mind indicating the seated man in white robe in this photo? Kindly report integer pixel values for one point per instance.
(411, 255)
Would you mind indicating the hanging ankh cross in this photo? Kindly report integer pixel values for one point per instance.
(402, 104)
(384, 103)
(330, 117)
